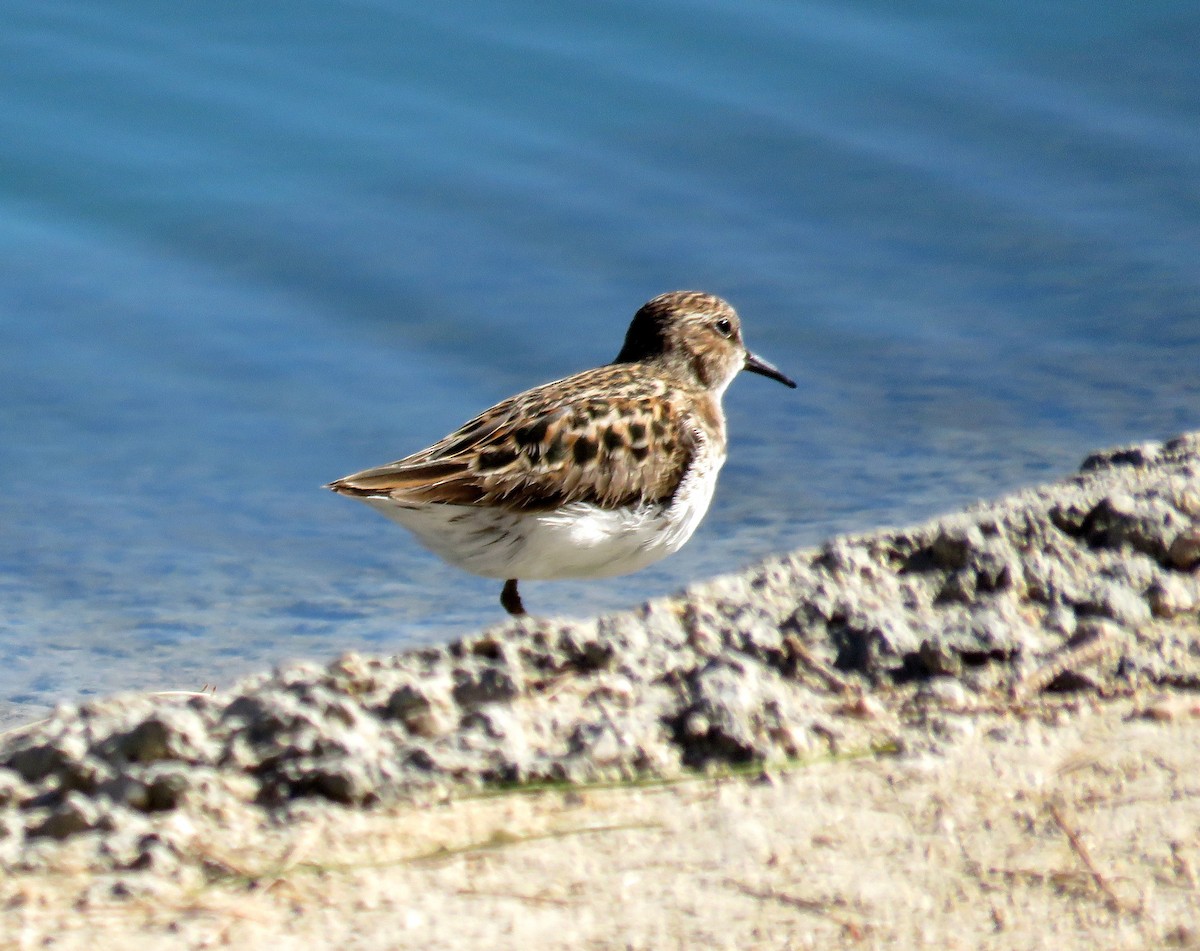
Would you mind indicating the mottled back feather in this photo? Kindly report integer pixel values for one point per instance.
(583, 439)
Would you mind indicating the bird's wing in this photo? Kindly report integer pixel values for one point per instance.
(547, 447)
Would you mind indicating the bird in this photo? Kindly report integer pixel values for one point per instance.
(595, 475)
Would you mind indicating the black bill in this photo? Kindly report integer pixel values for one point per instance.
(757, 365)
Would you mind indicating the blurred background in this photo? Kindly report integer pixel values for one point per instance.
(246, 249)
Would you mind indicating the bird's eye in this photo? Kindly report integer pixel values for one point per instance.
(724, 327)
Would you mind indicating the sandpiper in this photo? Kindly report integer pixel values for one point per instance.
(598, 474)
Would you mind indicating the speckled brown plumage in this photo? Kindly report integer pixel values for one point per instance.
(584, 439)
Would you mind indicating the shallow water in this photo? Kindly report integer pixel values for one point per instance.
(244, 252)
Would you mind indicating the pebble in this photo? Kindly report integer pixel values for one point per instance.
(1170, 597)
(1184, 552)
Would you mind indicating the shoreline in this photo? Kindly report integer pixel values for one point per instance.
(962, 637)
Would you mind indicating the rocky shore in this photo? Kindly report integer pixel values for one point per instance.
(874, 644)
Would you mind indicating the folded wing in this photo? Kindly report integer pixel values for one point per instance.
(534, 453)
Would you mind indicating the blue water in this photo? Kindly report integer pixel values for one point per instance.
(245, 249)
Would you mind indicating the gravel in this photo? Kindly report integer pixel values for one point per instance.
(1085, 585)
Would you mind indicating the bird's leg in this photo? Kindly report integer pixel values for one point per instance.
(510, 598)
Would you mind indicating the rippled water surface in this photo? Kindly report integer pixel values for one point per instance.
(246, 249)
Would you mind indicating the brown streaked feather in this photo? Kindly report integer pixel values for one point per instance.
(584, 439)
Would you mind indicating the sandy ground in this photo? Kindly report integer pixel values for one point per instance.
(1075, 828)
(1013, 693)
